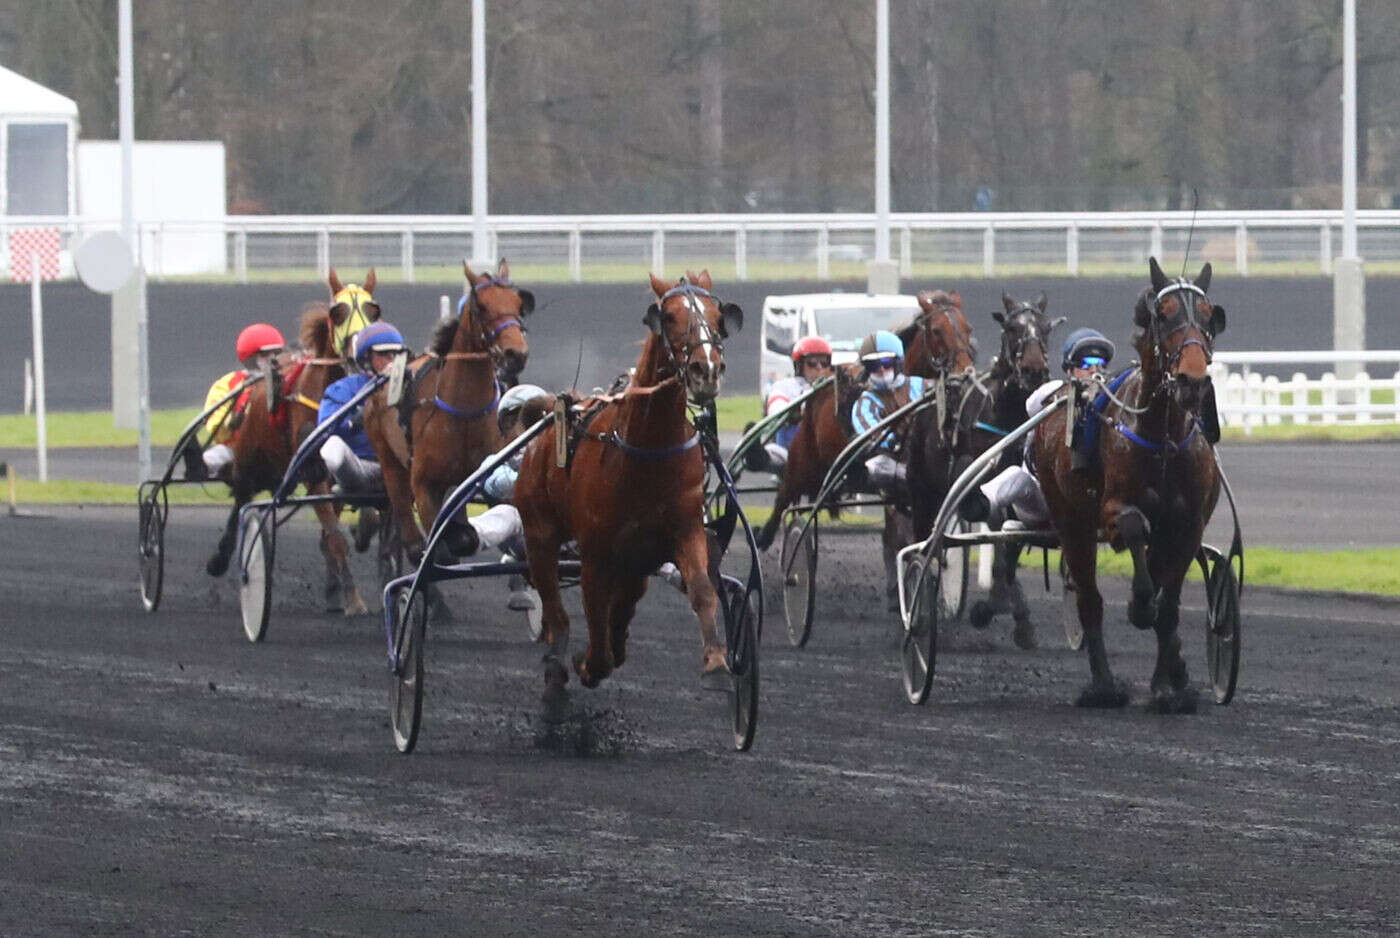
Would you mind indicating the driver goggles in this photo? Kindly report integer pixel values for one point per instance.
(1090, 361)
(814, 361)
(884, 363)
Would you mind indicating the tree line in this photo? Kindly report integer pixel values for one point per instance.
(354, 106)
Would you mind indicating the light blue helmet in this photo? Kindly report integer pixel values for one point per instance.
(883, 345)
(508, 408)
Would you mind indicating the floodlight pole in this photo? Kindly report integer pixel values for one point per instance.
(1348, 276)
(126, 119)
(883, 275)
(480, 250)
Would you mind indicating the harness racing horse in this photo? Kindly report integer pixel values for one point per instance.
(267, 436)
(632, 491)
(1154, 486)
(450, 402)
(1022, 365)
(938, 342)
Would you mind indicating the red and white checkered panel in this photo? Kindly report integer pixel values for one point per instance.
(26, 242)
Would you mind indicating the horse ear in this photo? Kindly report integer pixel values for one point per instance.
(1007, 302)
(1217, 320)
(703, 281)
(925, 301)
(731, 318)
(1159, 279)
(527, 302)
(659, 286)
(503, 270)
(371, 281)
(1041, 300)
(1203, 278)
(1142, 311)
(334, 281)
(471, 277)
(652, 320)
(998, 315)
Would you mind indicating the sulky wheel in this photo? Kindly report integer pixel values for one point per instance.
(1069, 609)
(151, 548)
(799, 580)
(956, 573)
(410, 624)
(920, 644)
(741, 632)
(1222, 627)
(255, 575)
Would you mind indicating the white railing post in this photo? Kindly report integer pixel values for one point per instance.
(1362, 384)
(576, 254)
(240, 255)
(906, 252)
(1253, 397)
(989, 251)
(1234, 399)
(1329, 397)
(658, 252)
(1395, 399)
(1155, 245)
(1302, 412)
(406, 255)
(823, 253)
(323, 253)
(1324, 248)
(1242, 250)
(741, 253)
(1072, 249)
(1272, 400)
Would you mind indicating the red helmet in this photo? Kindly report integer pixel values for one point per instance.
(259, 337)
(812, 345)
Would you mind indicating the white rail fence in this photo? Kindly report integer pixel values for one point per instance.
(601, 247)
(1248, 398)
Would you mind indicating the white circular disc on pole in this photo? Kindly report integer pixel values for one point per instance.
(104, 262)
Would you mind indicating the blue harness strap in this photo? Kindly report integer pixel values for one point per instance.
(478, 412)
(1155, 447)
(648, 453)
(1089, 420)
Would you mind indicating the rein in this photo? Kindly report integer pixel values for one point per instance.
(447, 408)
(645, 453)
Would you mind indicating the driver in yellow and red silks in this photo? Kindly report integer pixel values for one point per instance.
(255, 345)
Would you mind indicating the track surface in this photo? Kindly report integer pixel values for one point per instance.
(158, 774)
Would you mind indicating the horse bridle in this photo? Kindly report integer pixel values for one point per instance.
(486, 335)
(1168, 363)
(1013, 354)
(695, 310)
(967, 343)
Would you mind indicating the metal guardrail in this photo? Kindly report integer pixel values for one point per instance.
(795, 245)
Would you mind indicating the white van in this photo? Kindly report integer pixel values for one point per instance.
(843, 319)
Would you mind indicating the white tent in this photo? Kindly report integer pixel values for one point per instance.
(38, 145)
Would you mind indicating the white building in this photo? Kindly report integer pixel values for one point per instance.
(38, 142)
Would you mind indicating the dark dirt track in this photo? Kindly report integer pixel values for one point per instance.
(161, 775)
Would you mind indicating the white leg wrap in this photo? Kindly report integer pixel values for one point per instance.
(217, 457)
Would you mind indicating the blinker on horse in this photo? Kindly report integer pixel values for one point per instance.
(631, 491)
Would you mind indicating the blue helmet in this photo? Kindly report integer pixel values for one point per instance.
(378, 335)
(881, 345)
(1086, 344)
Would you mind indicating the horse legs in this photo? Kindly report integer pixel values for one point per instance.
(544, 576)
(396, 485)
(1103, 690)
(1171, 691)
(627, 592)
(217, 565)
(898, 531)
(340, 582)
(1024, 632)
(693, 560)
(1130, 530)
(597, 662)
(786, 496)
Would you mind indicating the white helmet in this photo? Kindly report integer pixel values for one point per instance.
(513, 400)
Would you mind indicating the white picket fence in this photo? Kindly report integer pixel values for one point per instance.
(1247, 397)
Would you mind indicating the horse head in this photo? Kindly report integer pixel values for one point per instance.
(1175, 326)
(491, 315)
(691, 324)
(352, 308)
(1025, 329)
(939, 340)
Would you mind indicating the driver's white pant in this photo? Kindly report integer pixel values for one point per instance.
(884, 470)
(350, 472)
(1014, 487)
(777, 456)
(217, 457)
(499, 528)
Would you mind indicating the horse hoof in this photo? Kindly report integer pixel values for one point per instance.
(1024, 635)
(217, 565)
(1104, 696)
(1142, 613)
(585, 676)
(980, 616)
(356, 607)
(1168, 701)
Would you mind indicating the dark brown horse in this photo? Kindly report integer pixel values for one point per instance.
(1154, 486)
(266, 438)
(632, 493)
(452, 423)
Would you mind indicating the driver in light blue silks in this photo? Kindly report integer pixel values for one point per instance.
(888, 389)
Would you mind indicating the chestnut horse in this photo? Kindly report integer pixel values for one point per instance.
(265, 439)
(1153, 488)
(938, 342)
(452, 422)
(632, 493)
